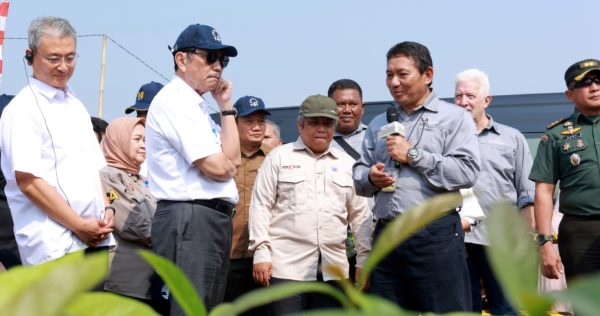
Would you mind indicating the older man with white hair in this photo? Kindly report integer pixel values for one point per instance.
(505, 166)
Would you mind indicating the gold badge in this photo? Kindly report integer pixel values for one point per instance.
(113, 195)
(580, 143)
(575, 160)
(566, 146)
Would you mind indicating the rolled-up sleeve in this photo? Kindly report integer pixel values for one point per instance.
(523, 162)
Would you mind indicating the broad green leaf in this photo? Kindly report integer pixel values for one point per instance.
(179, 286)
(514, 260)
(99, 304)
(46, 289)
(583, 294)
(402, 227)
(274, 293)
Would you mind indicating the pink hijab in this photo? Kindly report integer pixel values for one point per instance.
(117, 141)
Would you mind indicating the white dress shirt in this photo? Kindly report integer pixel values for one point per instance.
(48, 133)
(180, 131)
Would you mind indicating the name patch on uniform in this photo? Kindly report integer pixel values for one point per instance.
(291, 167)
(576, 135)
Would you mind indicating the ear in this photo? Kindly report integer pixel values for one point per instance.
(180, 60)
(428, 75)
(569, 95)
(29, 56)
(488, 100)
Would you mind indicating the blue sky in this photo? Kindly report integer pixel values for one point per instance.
(291, 49)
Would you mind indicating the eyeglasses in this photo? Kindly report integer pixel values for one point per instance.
(57, 60)
(212, 56)
(586, 82)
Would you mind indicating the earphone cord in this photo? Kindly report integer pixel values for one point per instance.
(49, 134)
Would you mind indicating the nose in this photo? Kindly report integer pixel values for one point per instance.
(462, 101)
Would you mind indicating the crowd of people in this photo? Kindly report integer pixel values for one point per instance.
(236, 209)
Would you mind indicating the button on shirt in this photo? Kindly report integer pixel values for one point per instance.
(449, 160)
(556, 161)
(180, 131)
(301, 206)
(60, 147)
(244, 180)
(505, 166)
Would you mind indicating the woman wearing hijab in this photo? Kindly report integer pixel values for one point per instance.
(124, 150)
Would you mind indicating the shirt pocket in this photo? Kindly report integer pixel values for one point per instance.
(340, 191)
(291, 191)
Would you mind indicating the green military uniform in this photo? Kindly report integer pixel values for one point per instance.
(569, 152)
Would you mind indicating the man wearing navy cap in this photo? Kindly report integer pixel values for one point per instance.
(143, 99)
(193, 164)
(251, 128)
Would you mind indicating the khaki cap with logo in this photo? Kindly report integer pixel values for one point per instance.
(319, 106)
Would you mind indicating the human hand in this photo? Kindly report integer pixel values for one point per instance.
(550, 262)
(222, 94)
(367, 283)
(92, 231)
(379, 177)
(397, 147)
(262, 273)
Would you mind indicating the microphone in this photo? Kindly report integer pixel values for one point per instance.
(393, 127)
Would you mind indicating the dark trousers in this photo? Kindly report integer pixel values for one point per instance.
(428, 272)
(302, 302)
(198, 240)
(240, 282)
(479, 269)
(579, 245)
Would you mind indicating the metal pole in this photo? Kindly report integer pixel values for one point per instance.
(100, 99)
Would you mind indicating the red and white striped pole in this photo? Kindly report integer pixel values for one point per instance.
(3, 14)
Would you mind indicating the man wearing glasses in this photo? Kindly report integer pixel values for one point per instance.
(50, 154)
(194, 162)
(567, 153)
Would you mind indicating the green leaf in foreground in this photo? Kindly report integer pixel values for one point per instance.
(402, 227)
(277, 292)
(514, 260)
(46, 289)
(99, 304)
(584, 294)
(179, 286)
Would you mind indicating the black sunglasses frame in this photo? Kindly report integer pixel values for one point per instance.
(586, 82)
(211, 56)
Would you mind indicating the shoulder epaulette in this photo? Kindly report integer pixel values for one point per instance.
(559, 121)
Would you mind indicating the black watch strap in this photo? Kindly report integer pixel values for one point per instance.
(229, 112)
(110, 208)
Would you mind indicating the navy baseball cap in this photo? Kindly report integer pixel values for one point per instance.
(202, 36)
(248, 105)
(144, 97)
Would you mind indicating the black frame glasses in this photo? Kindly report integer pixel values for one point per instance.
(211, 56)
(586, 82)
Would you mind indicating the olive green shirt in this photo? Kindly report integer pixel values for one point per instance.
(569, 153)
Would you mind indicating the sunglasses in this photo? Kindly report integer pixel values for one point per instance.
(586, 82)
(211, 56)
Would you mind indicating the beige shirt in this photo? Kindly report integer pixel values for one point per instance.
(301, 206)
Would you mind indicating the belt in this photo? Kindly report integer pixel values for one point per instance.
(218, 205)
(215, 204)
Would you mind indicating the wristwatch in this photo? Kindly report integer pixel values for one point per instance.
(542, 239)
(414, 153)
(229, 112)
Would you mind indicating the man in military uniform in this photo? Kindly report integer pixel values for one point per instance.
(568, 153)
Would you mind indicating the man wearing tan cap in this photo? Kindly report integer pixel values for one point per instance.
(302, 202)
(568, 154)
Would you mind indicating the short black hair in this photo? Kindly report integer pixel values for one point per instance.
(419, 53)
(99, 125)
(344, 84)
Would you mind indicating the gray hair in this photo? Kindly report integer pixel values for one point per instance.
(477, 76)
(49, 25)
(275, 127)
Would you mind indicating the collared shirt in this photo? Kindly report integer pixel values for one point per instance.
(244, 180)
(505, 166)
(571, 156)
(449, 160)
(180, 131)
(301, 206)
(47, 132)
(129, 273)
(354, 139)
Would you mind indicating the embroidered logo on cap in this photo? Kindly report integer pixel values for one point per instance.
(216, 36)
(253, 102)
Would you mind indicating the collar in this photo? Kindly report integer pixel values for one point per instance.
(578, 116)
(187, 93)
(49, 91)
(299, 145)
(361, 127)
(262, 151)
(492, 125)
(429, 104)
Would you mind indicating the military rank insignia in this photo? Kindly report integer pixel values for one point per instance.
(570, 129)
(575, 160)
